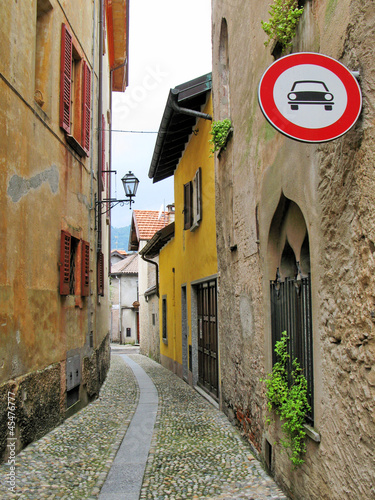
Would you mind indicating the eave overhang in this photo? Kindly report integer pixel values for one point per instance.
(158, 241)
(176, 126)
(117, 14)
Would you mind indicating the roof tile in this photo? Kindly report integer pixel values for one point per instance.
(149, 221)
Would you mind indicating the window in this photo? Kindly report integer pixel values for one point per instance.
(153, 319)
(75, 94)
(290, 290)
(128, 332)
(188, 212)
(223, 71)
(164, 318)
(74, 266)
(43, 53)
(193, 202)
(100, 273)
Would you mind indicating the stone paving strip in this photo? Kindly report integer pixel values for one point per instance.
(195, 452)
(73, 460)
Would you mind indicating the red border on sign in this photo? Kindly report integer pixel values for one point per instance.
(273, 115)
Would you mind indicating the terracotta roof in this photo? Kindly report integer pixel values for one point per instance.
(129, 265)
(148, 222)
(122, 253)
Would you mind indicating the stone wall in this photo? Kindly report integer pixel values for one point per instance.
(40, 398)
(333, 185)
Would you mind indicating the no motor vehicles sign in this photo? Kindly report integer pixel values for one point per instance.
(310, 97)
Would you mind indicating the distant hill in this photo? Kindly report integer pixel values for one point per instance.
(120, 238)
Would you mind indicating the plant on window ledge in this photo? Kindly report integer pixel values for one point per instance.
(289, 400)
(282, 24)
(220, 131)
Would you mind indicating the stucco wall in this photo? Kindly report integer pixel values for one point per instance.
(46, 187)
(333, 185)
(190, 255)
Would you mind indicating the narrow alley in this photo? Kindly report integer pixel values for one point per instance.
(194, 452)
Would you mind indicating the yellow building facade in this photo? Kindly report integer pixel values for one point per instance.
(188, 261)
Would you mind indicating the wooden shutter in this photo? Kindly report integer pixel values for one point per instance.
(188, 191)
(65, 249)
(86, 107)
(198, 195)
(65, 79)
(103, 152)
(85, 290)
(100, 273)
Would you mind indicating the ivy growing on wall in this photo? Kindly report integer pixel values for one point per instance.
(281, 26)
(220, 131)
(287, 396)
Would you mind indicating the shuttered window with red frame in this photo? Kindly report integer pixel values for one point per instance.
(86, 108)
(85, 281)
(65, 248)
(66, 78)
(100, 273)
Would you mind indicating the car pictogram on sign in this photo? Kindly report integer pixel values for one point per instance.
(325, 92)
(310, 92)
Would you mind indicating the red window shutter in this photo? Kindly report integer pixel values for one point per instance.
(103, 152)
(85, 269)
(86, 108)
(65, 247)
(100, 273)
(65, 78)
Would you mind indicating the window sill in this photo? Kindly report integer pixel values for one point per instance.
(312, 433)
(194, 226)
(75, 145)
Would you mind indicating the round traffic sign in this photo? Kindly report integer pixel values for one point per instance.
(310, 97)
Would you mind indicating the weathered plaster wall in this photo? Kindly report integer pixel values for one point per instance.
(45, 187)
(333, 185)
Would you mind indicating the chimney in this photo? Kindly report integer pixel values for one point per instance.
(170, 210)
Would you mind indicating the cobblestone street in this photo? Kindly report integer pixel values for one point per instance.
(195, 452)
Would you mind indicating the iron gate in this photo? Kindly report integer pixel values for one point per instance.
(208, 377)
(291, 312)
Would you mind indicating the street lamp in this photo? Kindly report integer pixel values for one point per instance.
(130, 183)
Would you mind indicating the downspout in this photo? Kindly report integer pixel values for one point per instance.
(100, 136)
(156, 272)
(110, 157)
(186, 111)
(119, 309)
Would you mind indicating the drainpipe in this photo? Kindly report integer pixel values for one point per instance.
(186, 111)
(156, 272)
(110, 157)
(100, 113)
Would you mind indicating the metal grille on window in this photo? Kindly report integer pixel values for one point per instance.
(291, 312)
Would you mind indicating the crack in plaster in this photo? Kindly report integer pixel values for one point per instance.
(19, 187)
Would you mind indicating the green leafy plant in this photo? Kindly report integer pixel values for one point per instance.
(219, 131)
(282, 24)
(288, 398)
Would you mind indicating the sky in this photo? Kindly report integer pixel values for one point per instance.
(169, 44)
